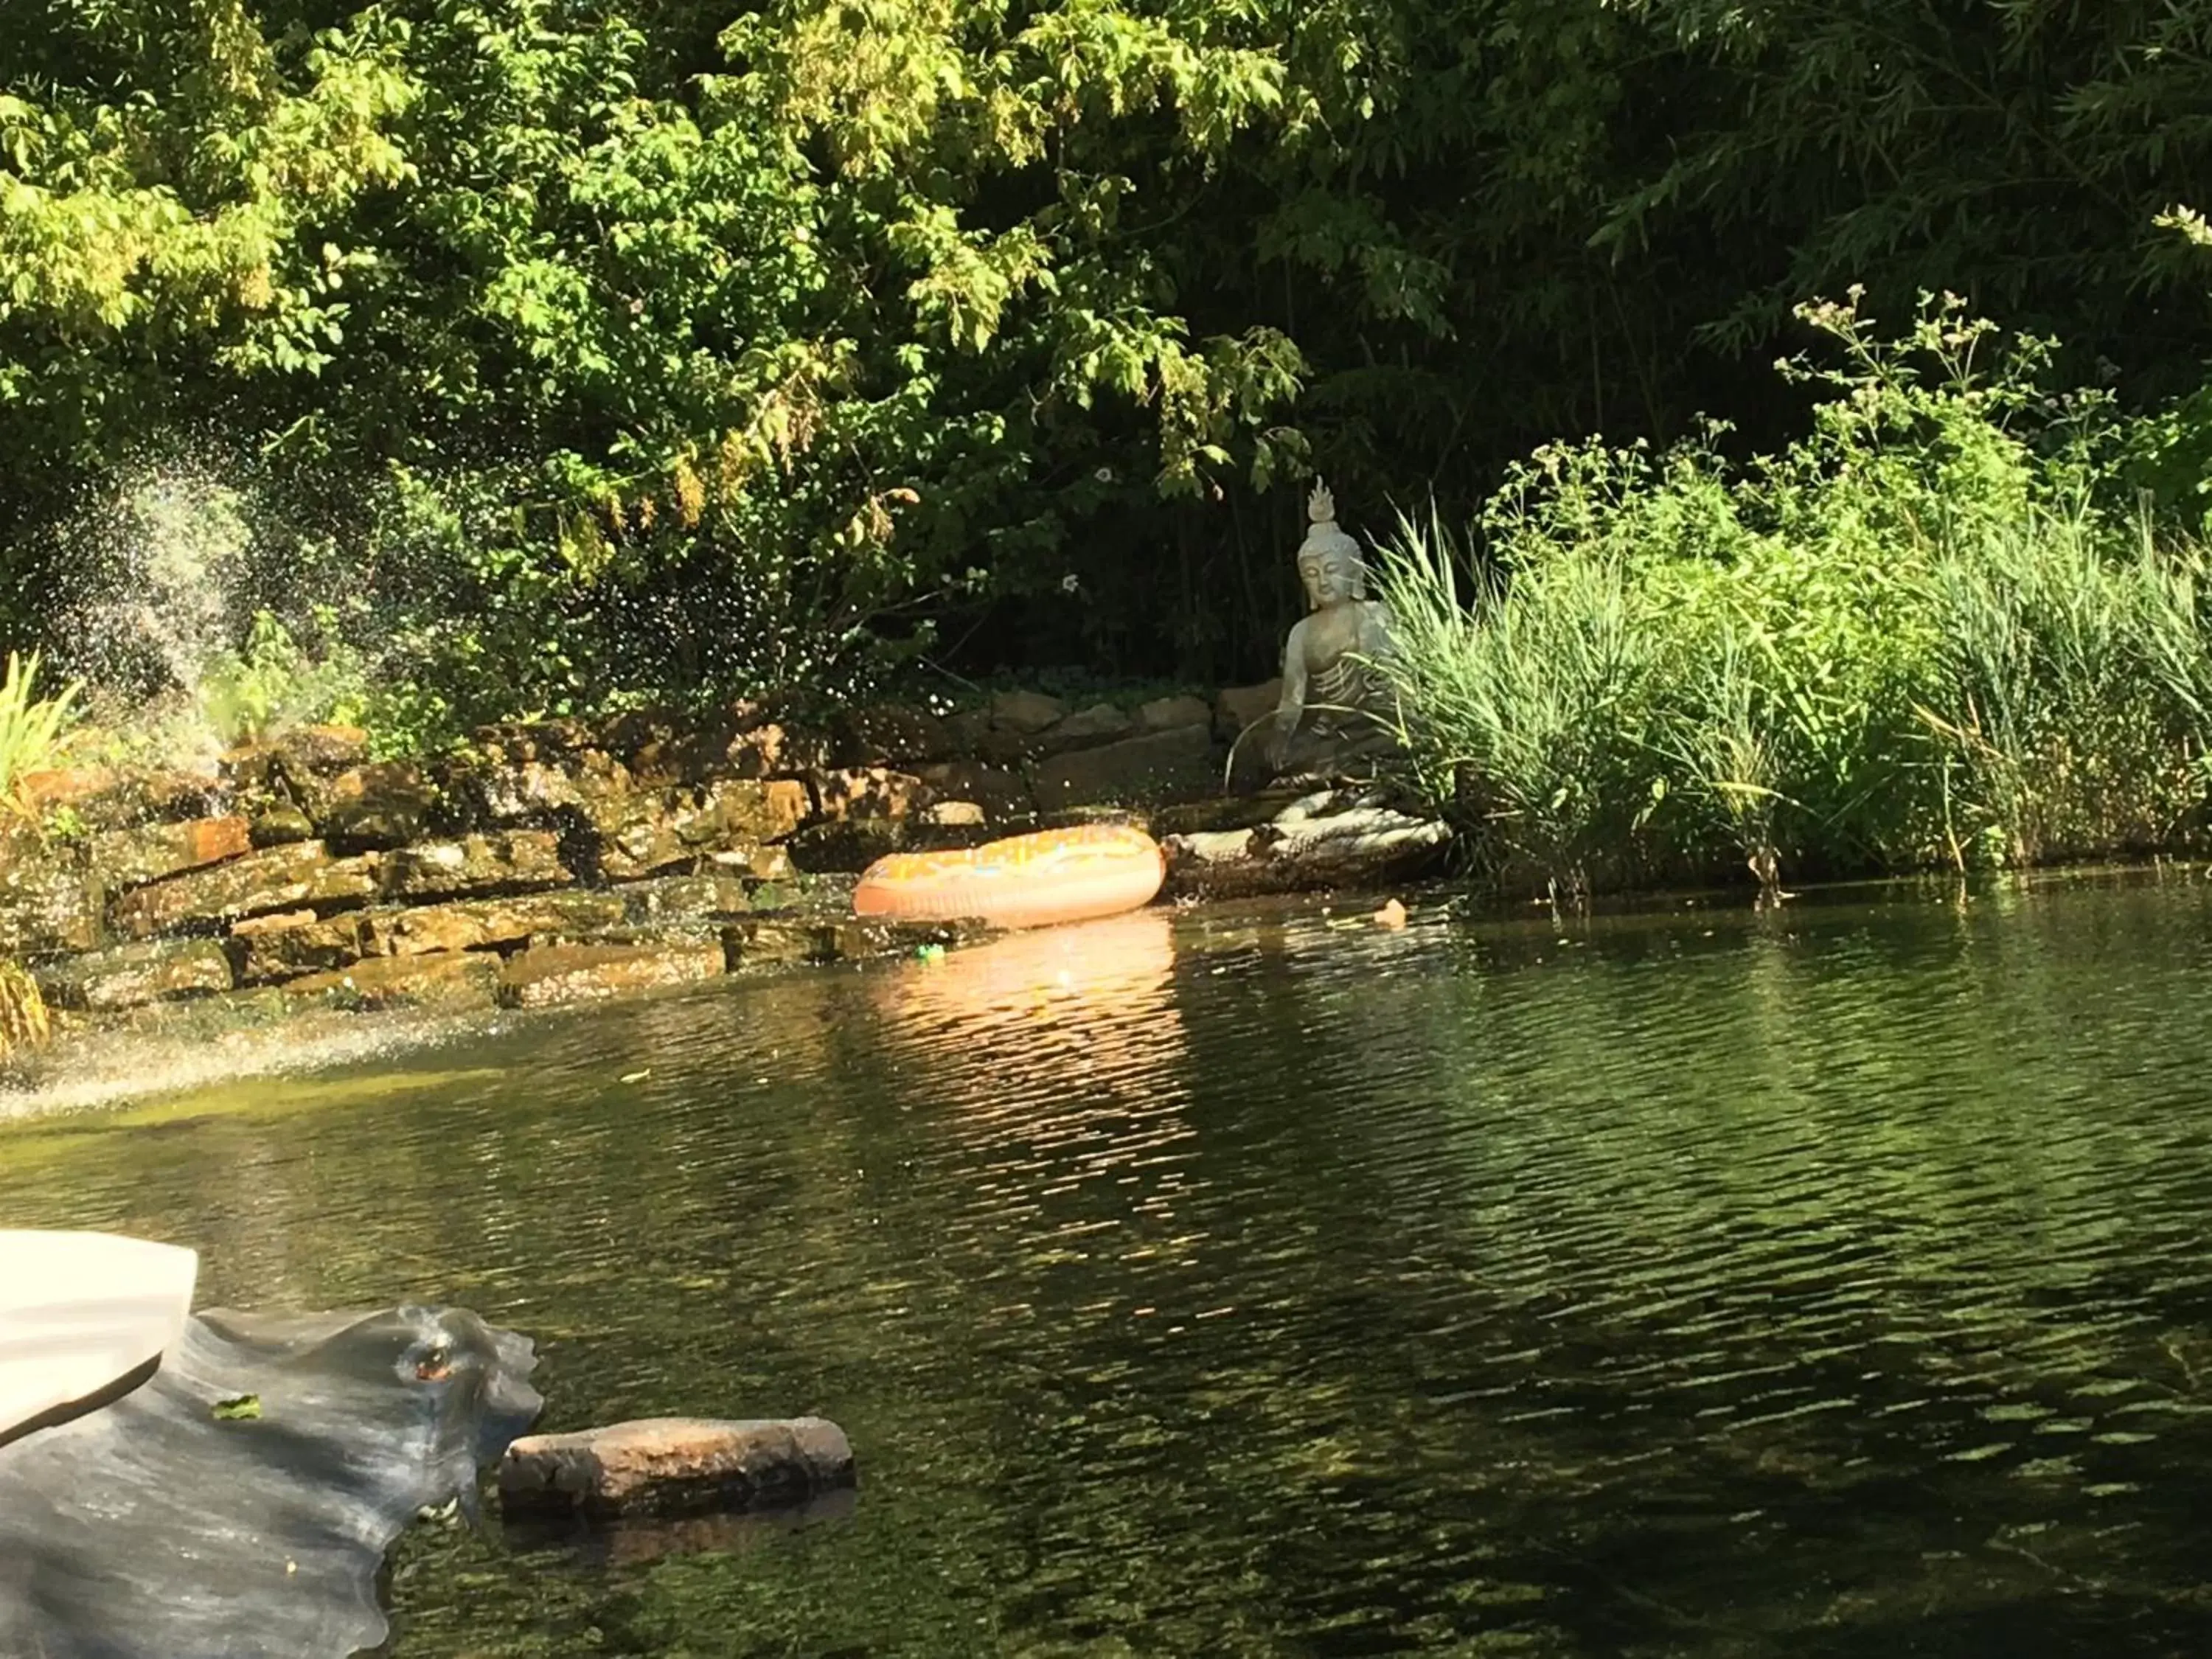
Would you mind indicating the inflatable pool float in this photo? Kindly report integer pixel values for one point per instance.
(80, 1313)
(1023, 881)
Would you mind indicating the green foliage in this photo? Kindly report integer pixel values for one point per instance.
(608, 350)
(1917, 636)
(622, 369)
(32, 727)
(273, 681)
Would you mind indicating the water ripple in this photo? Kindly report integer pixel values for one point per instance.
(1256, 1281)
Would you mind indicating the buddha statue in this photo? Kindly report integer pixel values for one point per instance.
(1335, 705)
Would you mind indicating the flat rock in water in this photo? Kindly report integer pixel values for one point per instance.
(673, 1465)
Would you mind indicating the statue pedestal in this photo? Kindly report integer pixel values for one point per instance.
(1342, 751)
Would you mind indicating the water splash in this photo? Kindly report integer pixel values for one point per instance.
(162, 568)
(198, 1051)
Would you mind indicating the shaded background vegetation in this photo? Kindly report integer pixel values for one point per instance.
(579, 349)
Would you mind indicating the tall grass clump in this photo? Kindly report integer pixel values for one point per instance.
(1932, 632)
(1529, 702)
(31, 726)
(2076, 685)
(24, 1022)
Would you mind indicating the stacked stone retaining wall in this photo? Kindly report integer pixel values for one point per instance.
(554, 861)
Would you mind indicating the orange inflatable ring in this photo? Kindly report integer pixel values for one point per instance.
(1023, 881)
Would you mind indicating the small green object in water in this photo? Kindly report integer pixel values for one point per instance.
(245, 1409)
(929, 952)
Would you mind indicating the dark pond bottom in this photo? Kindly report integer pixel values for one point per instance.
(1690, 1284)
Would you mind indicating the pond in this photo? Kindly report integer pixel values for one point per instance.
(1262, 1281)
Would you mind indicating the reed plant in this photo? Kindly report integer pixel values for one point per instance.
(1924, 635)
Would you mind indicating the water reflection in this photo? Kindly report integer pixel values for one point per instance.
(1261, 1281)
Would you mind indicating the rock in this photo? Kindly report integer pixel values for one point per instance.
(761, 863)
(252, 771)
(1166, 714)
(851, 845)
(324, 749)
(74, 787)
(954, 814)
(1238, 707)
(384, 805)
(280, 826)
(533, 739)
(1225, 811)
(756, 752)
(162, 793)
(1333, 839)
(820, 927)
(713, 896)
(544, 975)
(665, 1466)
(130, 975)
(447, 980)
(109, 799)
(874, 792)
(1100, 723)
(635, 730)
(51, 899)
(779, 941)
(966, 729)
(295, 942)
(509, 860)
(859, 939)
(1001, 791)
(1025, 713)
(890, 734)
(763, 811)
(649, 832)
(825, 894)
(1154, 767)
(303, 875)
(477, 924)
(501, 793)
(127, 858)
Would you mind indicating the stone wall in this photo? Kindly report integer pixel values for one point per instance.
(553, 861)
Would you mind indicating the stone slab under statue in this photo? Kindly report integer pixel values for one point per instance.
(1337, 715)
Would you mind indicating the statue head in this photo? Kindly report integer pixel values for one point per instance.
(1329, 562)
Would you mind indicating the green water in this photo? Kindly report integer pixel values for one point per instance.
(1241, 1283)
